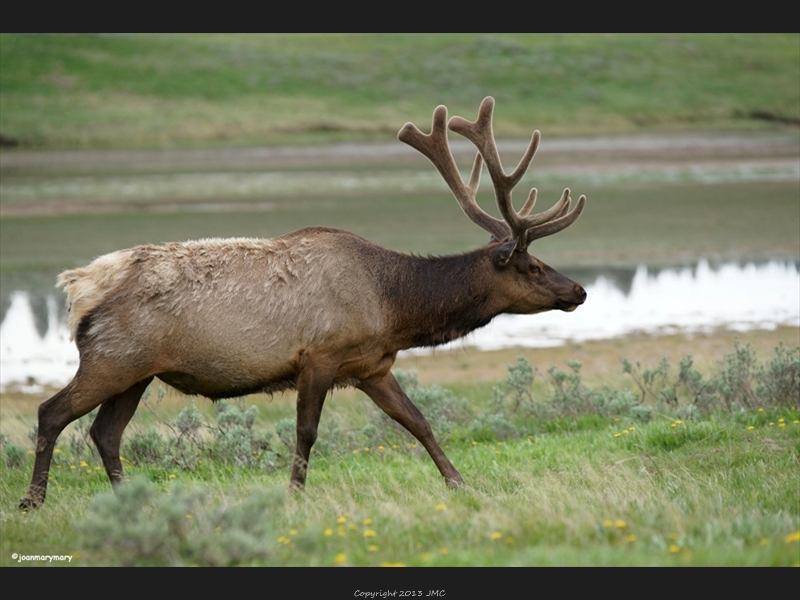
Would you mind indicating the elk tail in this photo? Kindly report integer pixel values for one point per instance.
(87, 287)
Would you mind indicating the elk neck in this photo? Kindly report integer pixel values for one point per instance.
(433, 300)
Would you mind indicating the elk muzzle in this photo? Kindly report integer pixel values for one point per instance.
(577, 298)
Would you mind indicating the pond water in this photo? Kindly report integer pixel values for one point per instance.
(35, 349)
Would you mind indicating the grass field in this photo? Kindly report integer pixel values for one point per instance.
(614, 486)
(126, 91)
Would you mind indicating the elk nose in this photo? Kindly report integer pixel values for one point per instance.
(581, 292)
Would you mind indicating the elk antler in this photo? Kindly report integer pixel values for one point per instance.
(518, 226)
(436, 147)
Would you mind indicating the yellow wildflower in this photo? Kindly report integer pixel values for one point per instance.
(369, 533)
(440, 506)
(620, 524)
(674, 549)
(340, 558)
(793, 537)
(328, 532)
(496, 535)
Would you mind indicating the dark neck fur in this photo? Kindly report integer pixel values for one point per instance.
(437, 299)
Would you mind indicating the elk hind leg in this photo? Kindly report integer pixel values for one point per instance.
(111, 420)
(87, 390)
(392, 400)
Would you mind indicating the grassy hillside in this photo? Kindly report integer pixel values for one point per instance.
(132, 91)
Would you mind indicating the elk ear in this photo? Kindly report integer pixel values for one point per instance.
(504, 253)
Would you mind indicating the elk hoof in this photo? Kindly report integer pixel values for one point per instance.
(454, 482)
(28, 504)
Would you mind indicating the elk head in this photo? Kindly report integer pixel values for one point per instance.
(530, 285)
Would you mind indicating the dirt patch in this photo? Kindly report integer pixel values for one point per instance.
(602, 360)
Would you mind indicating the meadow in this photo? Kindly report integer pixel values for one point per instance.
(662, 464)
(571, 456)
(168, 91)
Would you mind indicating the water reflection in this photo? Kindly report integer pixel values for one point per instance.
(35, 347)
(661, 301)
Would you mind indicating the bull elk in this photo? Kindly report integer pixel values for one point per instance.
(309, 310)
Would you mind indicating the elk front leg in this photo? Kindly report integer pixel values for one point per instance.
(391, 398)
(312, 387)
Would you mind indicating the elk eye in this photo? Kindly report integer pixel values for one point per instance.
(534, 269)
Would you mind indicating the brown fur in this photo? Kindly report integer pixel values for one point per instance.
(309, 310)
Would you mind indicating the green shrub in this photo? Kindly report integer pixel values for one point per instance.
(146, 448)
(779, 380)
(14, 455)
(138, 525)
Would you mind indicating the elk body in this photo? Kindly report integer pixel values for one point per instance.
(310, 310)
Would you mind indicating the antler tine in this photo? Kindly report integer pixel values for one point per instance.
(436, 148)
(559, 222)
(480, 133)
(529, 203)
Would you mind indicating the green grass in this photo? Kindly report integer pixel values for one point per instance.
(132, 91)
(726, 496)
(606, 486)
